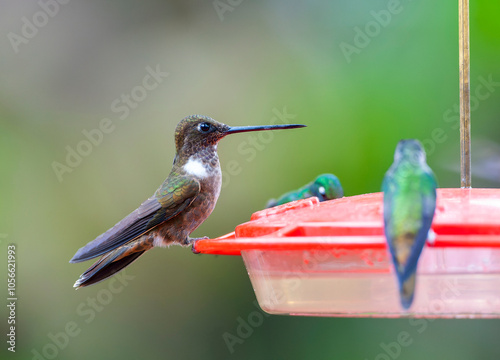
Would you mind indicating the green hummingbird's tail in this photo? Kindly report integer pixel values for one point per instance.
(407, 291)
(114, 261)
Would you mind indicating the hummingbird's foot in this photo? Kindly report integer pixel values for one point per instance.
(193, 250)
(193, 240)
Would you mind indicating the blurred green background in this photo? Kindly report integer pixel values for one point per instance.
(239, 62)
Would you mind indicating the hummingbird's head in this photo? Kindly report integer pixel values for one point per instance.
(410, 150)
(328, 187)
(196, 132)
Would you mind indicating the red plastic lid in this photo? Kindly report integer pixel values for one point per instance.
(464, 218)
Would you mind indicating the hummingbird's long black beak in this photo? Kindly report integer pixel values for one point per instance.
(238, 129)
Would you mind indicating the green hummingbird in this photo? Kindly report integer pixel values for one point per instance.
(324, 187)
(409, 188)
(181, 204)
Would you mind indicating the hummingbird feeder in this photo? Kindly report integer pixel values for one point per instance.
(331, 258)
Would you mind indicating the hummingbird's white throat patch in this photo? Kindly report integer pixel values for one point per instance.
(195, 167)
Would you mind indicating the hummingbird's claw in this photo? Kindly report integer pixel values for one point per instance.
(193, 240)
(193, 249)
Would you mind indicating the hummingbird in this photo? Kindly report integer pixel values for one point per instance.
(181, 204)
(409, 189)
(324, 187)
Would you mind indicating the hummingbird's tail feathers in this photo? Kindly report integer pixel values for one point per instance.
(407, 290)
(114, 262)
(104, 270)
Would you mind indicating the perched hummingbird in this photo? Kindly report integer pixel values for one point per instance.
(409, 188)
(324, 187)
(178, 207)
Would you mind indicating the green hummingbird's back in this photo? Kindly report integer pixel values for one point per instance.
(409, 188)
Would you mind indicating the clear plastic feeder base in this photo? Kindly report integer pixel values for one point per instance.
(331, 259)
(360, 283)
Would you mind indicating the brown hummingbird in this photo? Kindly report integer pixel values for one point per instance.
(181, 204)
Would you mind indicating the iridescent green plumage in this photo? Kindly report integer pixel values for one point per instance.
(409, 204)
(324, 187)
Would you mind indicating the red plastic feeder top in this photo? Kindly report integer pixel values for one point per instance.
(331, 259)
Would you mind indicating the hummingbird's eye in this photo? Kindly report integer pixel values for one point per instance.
(204, 127)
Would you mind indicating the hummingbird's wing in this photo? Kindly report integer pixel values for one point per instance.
(428, 208)
(169, 200)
